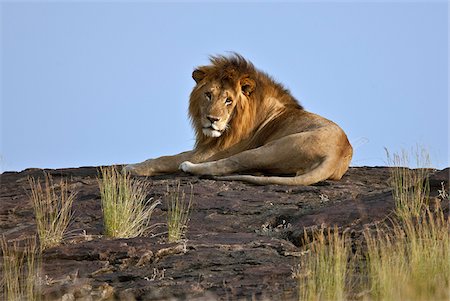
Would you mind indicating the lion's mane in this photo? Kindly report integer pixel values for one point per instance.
(249, 112)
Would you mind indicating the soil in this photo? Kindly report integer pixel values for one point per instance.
(242, 241)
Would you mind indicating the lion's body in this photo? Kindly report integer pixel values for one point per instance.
(245, 122)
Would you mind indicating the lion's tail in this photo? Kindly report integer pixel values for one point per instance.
(322, 172)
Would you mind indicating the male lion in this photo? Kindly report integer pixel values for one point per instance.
(246, 122)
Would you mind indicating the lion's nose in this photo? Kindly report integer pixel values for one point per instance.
(212, 118)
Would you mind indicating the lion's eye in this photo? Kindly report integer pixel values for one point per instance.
(208, 95)
(228, 101)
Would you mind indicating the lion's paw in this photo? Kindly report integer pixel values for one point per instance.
(187, 166)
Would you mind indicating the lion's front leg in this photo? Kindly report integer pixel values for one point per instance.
(214, 168)
(161, 165)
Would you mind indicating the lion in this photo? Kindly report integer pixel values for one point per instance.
(250, 128)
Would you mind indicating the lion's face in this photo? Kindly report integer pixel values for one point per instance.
(217, 100)
(216, 108)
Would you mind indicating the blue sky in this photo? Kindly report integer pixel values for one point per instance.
(104, 82)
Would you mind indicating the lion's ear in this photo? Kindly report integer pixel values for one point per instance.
(198, 75)
(248, 85)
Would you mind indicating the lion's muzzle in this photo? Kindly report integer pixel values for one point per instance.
(212, 132)
(212, 126)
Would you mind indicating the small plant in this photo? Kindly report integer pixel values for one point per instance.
(323, 268)
(177, 212)
(407, 257)
(443, 194)
(126, 212)
(410, 187)
(411, 260)
(21, 266)
(53, 210)
(278, 231)
(385, 265)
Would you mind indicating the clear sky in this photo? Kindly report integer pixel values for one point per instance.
(107, 82)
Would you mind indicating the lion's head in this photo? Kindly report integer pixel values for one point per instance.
(217, 101)
(220, 102)
(231, 99)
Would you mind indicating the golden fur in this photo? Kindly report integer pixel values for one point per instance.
(244, 121)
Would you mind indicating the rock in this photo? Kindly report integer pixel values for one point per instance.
(439, 178)
(242, 240)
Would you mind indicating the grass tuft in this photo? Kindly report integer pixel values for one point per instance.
(126, 212)
(411, 260)
(21, 264)
(177, 212)
(52, 208)
(323, 267)
(410, 187)
(405, 258)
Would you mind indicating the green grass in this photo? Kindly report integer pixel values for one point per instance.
(177, 213)
(126, 209)
(405, 258)
(323, 267)
(410, 186)
(411, 259)
(20, 270)
(53, 210)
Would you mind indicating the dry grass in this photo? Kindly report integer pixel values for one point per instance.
(407, 258)
(52, 208)
(126, 211)
(411, 260)
(410, 186)
(21, 264)
(323, 268)
(177, 213)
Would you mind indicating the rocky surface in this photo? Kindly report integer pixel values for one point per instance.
(242, 241)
